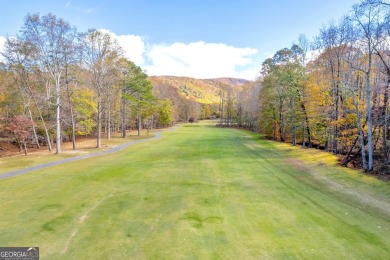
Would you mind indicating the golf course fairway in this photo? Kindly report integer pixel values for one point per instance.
(199, 192)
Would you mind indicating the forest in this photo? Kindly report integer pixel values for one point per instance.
(330, 92)
(58, 84)
(333, 92)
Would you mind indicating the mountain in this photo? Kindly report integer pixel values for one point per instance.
(204, 91)
(229, 81)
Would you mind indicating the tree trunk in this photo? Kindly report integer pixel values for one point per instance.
(330, 141)
(294, 141)
(139, 118)
(336, 104)
(281, 121)
(25, 148)
(58, 122)
(73, 128)
(71, 116)
(384, 119)
(48, 140)
(303, 134)
(293, 130)
(348, 157)
(361, 139)
(148, 127)
(99, 121)
(124, 103)
(109, 121)
(221, 108)
(385, 148)
(307, 124)
(274, 126)
(34, 130)
(363, 149)
(369, 116)
(327, 142)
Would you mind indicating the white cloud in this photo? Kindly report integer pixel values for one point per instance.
(133, 46)
(200, 60)
(2, 42)
(197, 59)
(251, 73)
(312, 55)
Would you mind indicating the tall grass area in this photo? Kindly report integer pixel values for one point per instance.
(199, 193)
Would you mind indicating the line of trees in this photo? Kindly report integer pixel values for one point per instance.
(239, 106)
(56, 81)
(338, 100)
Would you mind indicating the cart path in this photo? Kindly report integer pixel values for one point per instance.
(76, 158)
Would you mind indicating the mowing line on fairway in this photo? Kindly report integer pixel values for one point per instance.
(77, 158)
(82, 218)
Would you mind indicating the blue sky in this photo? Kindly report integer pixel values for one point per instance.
(195, 38)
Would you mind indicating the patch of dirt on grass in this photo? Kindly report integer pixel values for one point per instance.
(297, 164)
(364, 199)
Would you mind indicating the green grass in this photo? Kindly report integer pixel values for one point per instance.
(198, 193)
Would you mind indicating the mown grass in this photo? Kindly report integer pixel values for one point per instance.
(197, 193)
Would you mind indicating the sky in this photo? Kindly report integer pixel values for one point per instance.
(194, 38)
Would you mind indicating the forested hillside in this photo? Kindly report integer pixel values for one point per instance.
(205, 91)
(234, 102)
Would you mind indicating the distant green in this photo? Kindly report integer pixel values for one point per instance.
(198, 193)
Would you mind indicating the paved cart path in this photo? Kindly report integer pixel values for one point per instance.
(76, 158)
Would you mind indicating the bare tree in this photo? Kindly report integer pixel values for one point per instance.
(369, 20)
(382, 50)
(20, 57)
(52, 37)
(333, 40)
(100, 52)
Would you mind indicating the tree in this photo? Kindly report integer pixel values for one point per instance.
(52, 37)
(141, 94)
(18, 57)
(85, 107)
(20, 126)
(333, 40)
(383, 52)
(370, 27)
(100, 52)
(165, 113)
(128, 71)
(282, 88)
